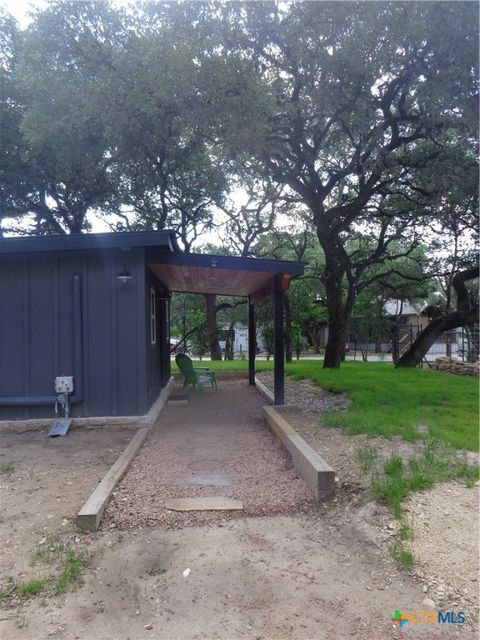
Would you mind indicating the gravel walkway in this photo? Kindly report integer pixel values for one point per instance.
(217, 445)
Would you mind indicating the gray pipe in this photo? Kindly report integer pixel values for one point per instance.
(37, 401)
(22, 401)
(77, 397)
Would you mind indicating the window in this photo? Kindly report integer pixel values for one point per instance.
(153, 317)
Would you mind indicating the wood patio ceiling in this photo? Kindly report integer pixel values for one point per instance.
(200, 279)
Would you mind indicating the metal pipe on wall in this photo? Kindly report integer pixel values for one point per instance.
(77, 397)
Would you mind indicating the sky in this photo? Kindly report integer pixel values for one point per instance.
(21, 8)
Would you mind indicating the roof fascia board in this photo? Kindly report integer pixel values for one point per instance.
(84, 241)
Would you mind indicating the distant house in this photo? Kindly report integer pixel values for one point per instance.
(411, 318)
(405, 312)
(240, 338)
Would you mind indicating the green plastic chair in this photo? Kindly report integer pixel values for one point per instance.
(197, 376)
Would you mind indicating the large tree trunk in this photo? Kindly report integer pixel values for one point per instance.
(335, 349)
(288, 329)
(229, 354)
(336, 309)
(466, 315)
(212, 329)
(339, 316)
(339, 307)
(314, 339)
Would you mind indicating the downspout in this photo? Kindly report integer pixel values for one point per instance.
(77, 398)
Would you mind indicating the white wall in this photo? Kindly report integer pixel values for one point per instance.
(241, 339)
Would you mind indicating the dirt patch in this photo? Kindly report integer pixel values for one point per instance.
(217, 445)
(280, 578)
(446, 545)
(43, 483)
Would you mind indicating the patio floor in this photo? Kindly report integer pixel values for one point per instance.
(216, 445)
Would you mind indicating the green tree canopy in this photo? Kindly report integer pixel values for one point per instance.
(58, 167)
(357, 96)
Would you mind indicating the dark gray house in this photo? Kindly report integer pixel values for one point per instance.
(96, 307)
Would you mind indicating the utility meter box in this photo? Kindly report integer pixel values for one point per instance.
(64, 384)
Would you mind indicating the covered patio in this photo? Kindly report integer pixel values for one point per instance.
(256, 279)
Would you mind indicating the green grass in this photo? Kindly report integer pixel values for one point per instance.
(399, 479)
(402, 554)
(367, 456)
(6, 469)
(70, 575)
(388, 401)
(25, 590)
(400, 549)
(414, 404)
(62, 554)
(67, 562)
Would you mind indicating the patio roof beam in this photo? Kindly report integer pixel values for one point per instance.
(262, 294)
(252, 343)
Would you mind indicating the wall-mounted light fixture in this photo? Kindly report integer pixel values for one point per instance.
(124, 275)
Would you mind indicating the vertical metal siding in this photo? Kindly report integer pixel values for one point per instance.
(12, 345)
(141, 333)
(40, 321)
(30, 324)
(129, 335)
(114, 346)
(36, 330)
(26, 329)
(99, 380)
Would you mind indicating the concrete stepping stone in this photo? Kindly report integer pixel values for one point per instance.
(178, 399)
(216, 503)
(212, 480)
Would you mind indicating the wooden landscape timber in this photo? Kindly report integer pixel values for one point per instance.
(317, 474)
(91, 514)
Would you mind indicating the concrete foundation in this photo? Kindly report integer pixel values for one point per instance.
(95, 422)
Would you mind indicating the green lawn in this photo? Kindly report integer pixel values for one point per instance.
(388, 401)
